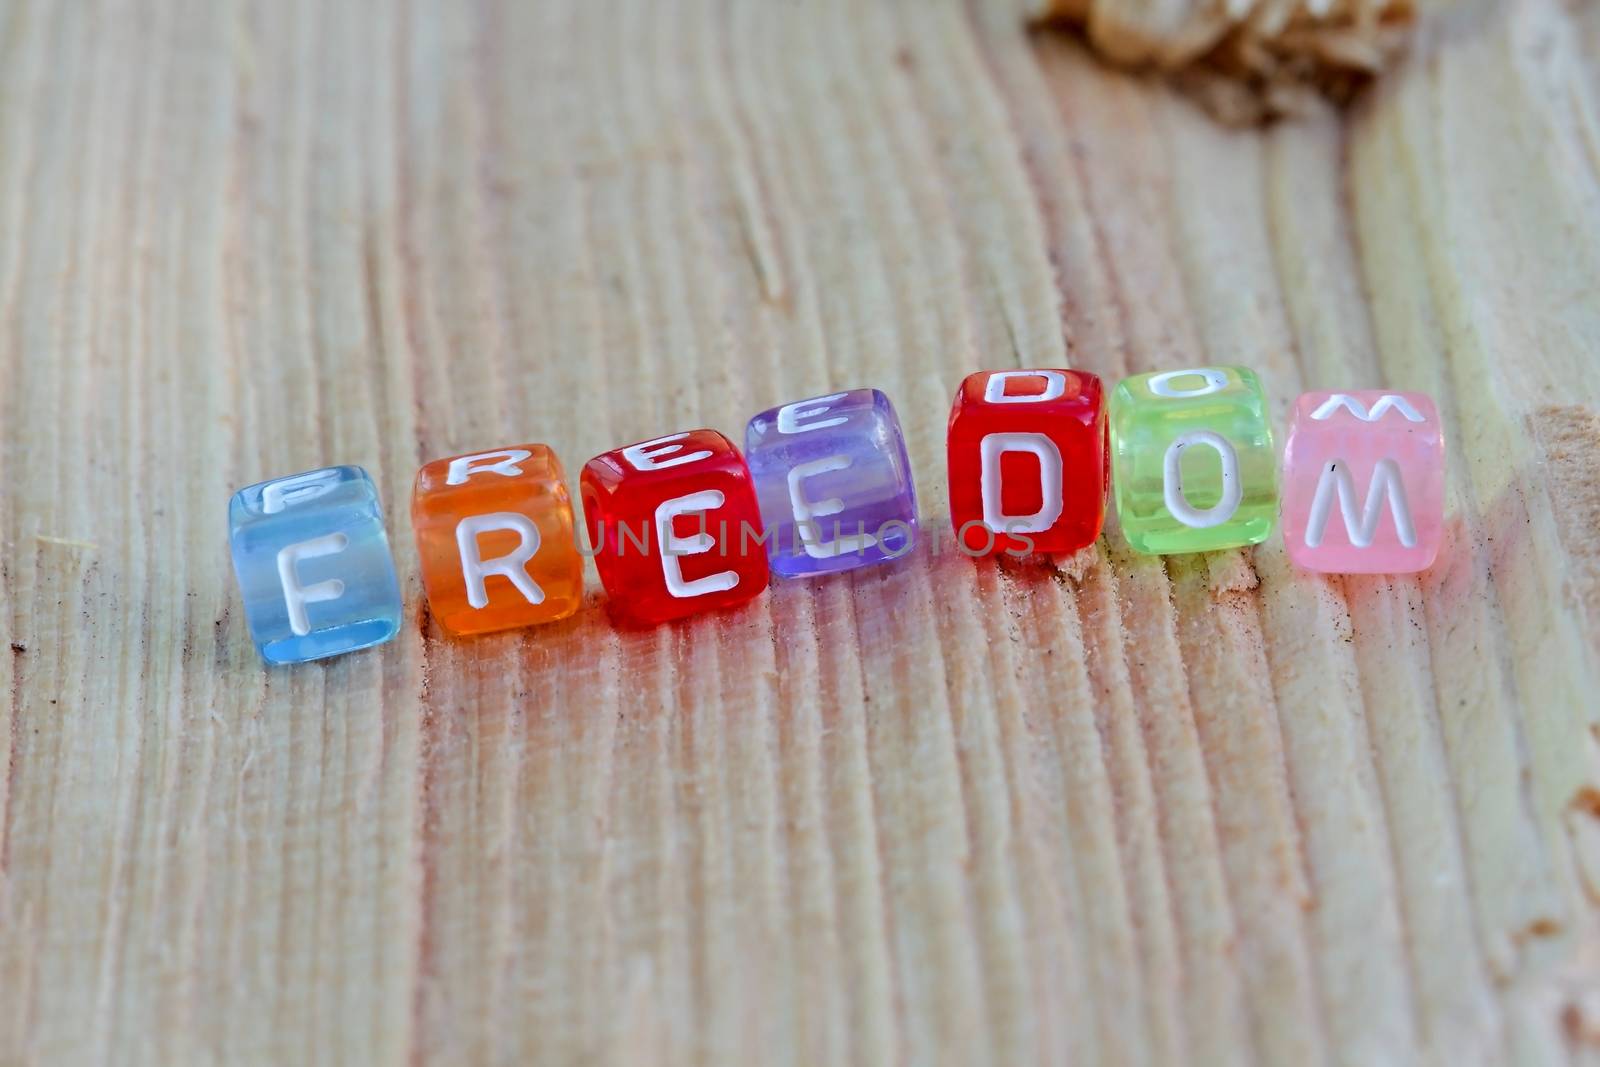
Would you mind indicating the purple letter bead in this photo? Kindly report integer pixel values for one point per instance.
(834, 483)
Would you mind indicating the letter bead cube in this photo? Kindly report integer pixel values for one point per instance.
(313, 564)
(1363, 483)
(496, 540)
(834, 483)
(674, 526)
(1192, 460)
(1027, 461)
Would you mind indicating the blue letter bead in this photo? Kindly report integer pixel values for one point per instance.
(834, 483)
(314, 565)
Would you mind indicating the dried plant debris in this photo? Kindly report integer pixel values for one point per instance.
(1247, 61)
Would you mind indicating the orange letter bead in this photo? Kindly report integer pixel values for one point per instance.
(495, 537)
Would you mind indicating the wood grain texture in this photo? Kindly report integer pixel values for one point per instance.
(1119, 810)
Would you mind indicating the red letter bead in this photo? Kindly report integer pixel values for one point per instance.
(674, 527)
(1027, 455)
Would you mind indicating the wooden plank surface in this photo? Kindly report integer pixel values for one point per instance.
(1118, 810)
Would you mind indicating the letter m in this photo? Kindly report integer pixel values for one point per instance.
(1386, 483)
(1351, 404)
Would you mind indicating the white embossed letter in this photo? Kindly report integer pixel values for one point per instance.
(1172, 481)
(505, 463)
(990, 449)
(661, 453)
(1386, 483)
(994, 390)
(297, 596)
(511, 566)
(673, 546)
(806, 512)
(790, 416)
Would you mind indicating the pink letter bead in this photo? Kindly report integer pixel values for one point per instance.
(1363, 483)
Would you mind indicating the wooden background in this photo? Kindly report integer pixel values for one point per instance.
(1123, 811)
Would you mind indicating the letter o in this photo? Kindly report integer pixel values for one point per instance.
(1172, 481)
(1215, 382)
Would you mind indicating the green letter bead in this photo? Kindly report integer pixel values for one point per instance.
(1192, 460)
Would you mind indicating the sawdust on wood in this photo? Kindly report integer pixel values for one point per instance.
(1246, 62)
